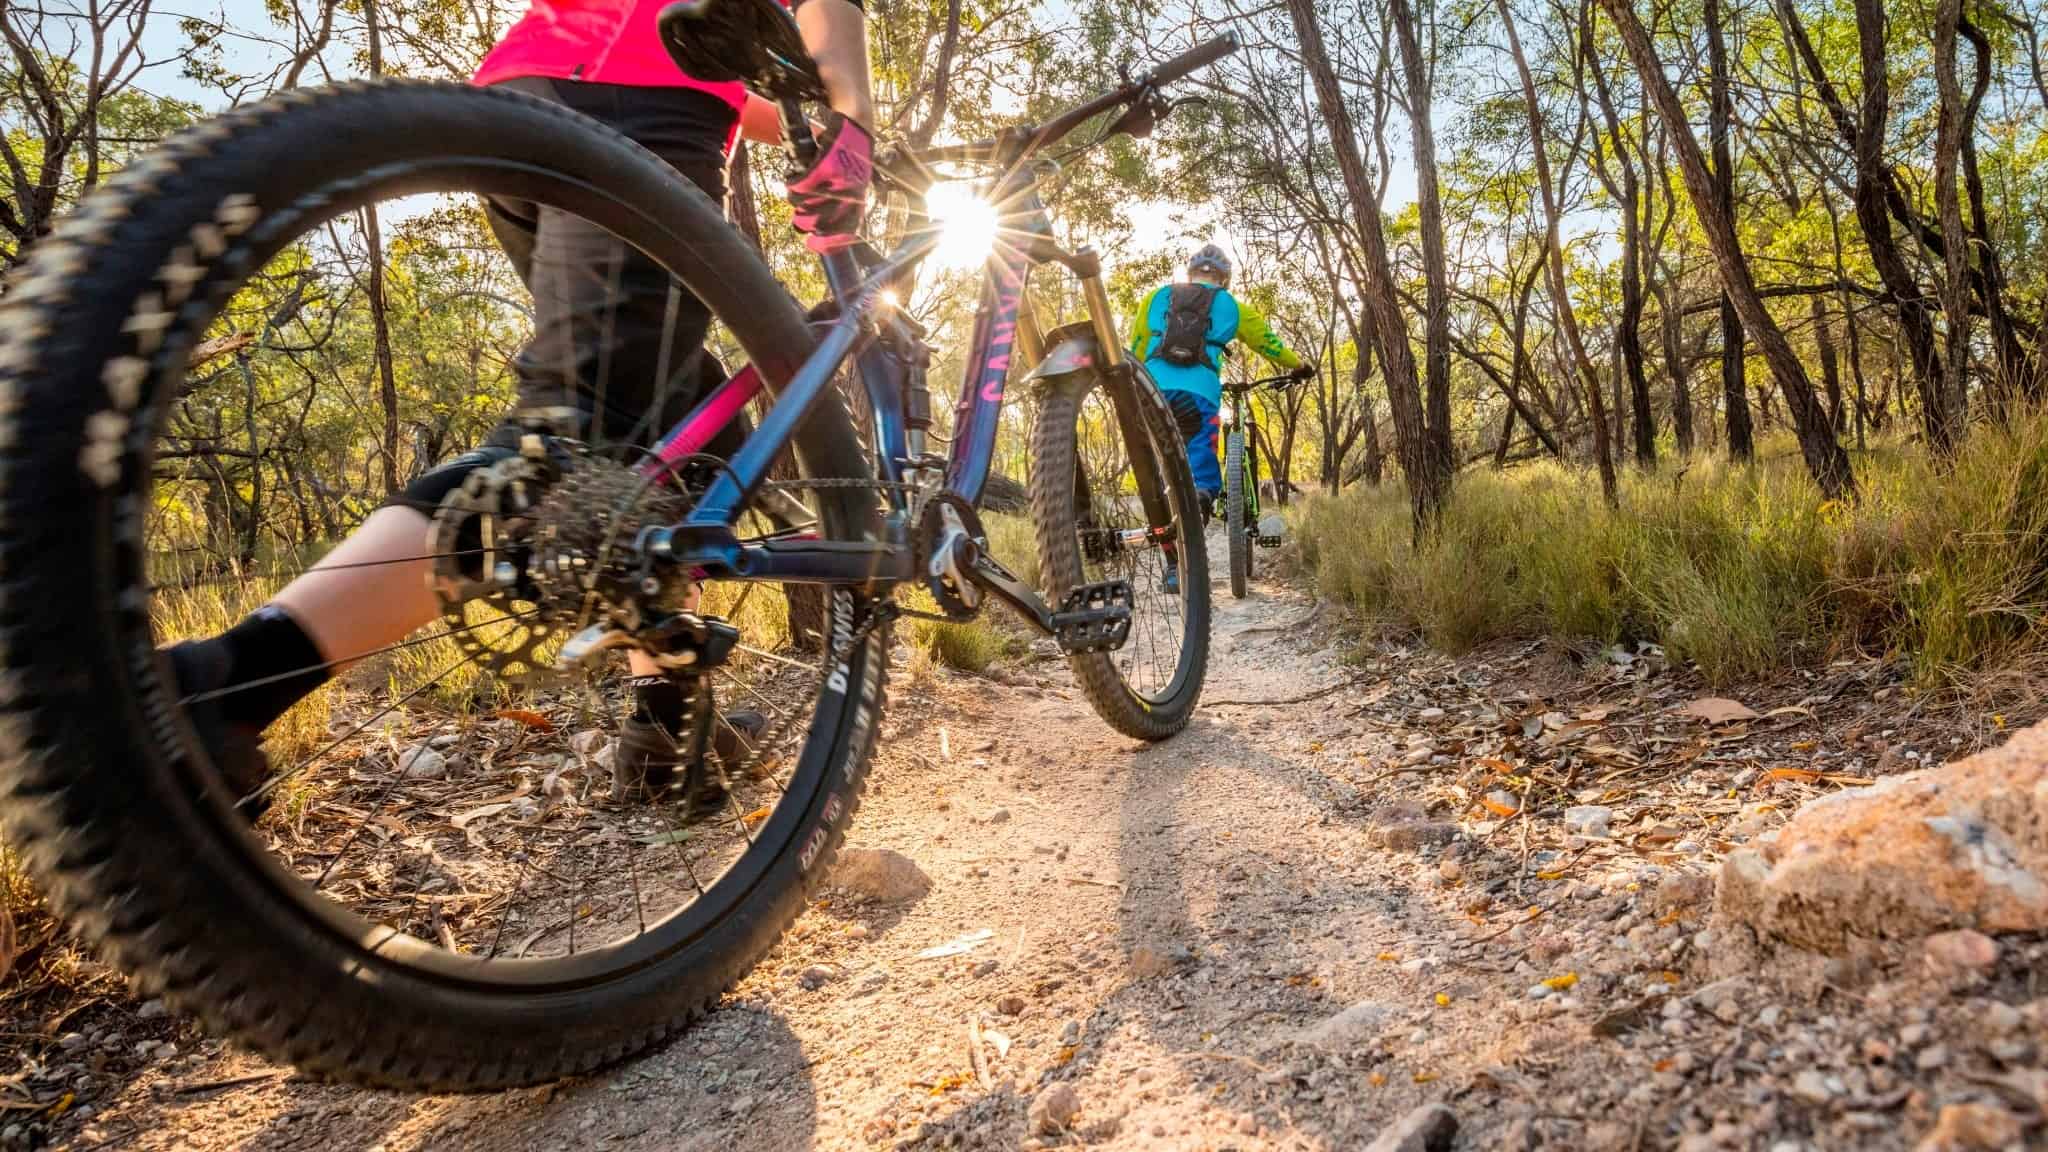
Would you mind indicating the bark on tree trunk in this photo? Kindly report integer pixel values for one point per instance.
(1830, 368)
(1628, 327)
(1865, 137)
(1436, 319)
(1672, 338)
(1824, 456)
(1426, 493)
(380, 326)
(1948, 201)
(1720, 118)
(1560, 297)
(2012, 372)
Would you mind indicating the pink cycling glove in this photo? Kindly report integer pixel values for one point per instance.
(829, 199)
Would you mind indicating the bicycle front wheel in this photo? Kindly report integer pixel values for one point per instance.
(1112, 499)
(446, 891)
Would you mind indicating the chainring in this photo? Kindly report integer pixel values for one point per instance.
(480, 541)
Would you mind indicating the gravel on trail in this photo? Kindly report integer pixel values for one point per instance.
(1452, 903)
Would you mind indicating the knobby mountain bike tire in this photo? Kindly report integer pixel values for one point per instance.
(1085, 504)
(1234, 497)
(104, 788)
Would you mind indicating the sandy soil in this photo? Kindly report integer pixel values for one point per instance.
(1288, 928)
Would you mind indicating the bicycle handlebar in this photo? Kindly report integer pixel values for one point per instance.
(1018, 143)
(1276, 383)
(1194, 59)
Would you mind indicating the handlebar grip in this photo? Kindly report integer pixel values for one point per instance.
(1196, 58)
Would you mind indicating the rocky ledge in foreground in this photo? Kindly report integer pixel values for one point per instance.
(1959, 848)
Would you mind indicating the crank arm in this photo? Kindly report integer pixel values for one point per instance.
(990, 575)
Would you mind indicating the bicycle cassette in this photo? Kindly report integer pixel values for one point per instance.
(585, 562)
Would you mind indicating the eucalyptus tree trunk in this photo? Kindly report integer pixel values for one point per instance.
(1825, 459)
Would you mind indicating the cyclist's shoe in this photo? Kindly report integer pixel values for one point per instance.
(1170, 583)
(735, 737)
(235, 749)
(644, 763)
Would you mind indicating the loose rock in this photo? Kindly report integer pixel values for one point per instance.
(1971, 1127)
(1148, 961)
(1354, 1027)
(421, 762)
(1588, 820)
(1054, 1109)
(880, 874)
(1961, 954)
(1941, 848)
(1410, 835)
(1430, 1128)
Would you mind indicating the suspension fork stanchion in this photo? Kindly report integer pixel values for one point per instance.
(1122, 379)
(1030, 337)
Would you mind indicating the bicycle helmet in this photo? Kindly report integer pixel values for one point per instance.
(1212, 262)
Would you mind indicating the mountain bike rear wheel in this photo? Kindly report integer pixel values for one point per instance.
(1234, 499)
(492, 926)
(1099, 450)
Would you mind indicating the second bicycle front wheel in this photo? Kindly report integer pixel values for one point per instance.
(1111, 499)
(1235, 498)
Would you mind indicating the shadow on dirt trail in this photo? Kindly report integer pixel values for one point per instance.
(738, 1068)
(1246, 917)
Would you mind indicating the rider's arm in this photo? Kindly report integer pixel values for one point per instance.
(1254, 333)
(1141, 326)
(760, 121)
(836, 34)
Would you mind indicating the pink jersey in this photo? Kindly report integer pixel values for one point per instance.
(600, 41)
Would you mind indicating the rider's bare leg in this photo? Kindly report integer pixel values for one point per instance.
(370, 592)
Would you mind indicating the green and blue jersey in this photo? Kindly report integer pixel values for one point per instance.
(1229, 321)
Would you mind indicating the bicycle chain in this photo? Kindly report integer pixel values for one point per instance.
(881, 612)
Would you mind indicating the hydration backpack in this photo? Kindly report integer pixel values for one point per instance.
(1186, 339)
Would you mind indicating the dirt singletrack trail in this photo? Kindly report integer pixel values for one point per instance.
(1262, 934)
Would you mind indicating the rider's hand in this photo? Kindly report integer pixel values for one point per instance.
(1307, 371)
(829, 198)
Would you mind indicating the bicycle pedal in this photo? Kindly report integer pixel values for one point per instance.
(1094, 617)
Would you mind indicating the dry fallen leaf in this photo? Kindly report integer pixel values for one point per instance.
(1720, 710)
(1500, 803)
(530, 719)
(753, 819)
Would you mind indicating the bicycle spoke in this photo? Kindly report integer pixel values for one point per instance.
(271, 784)
(247, 685)
(278, 574)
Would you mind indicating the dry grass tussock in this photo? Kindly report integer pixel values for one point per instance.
(1743, 570)
(979, 643)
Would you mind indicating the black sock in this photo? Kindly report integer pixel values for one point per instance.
(278, 662)
(660, 699)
